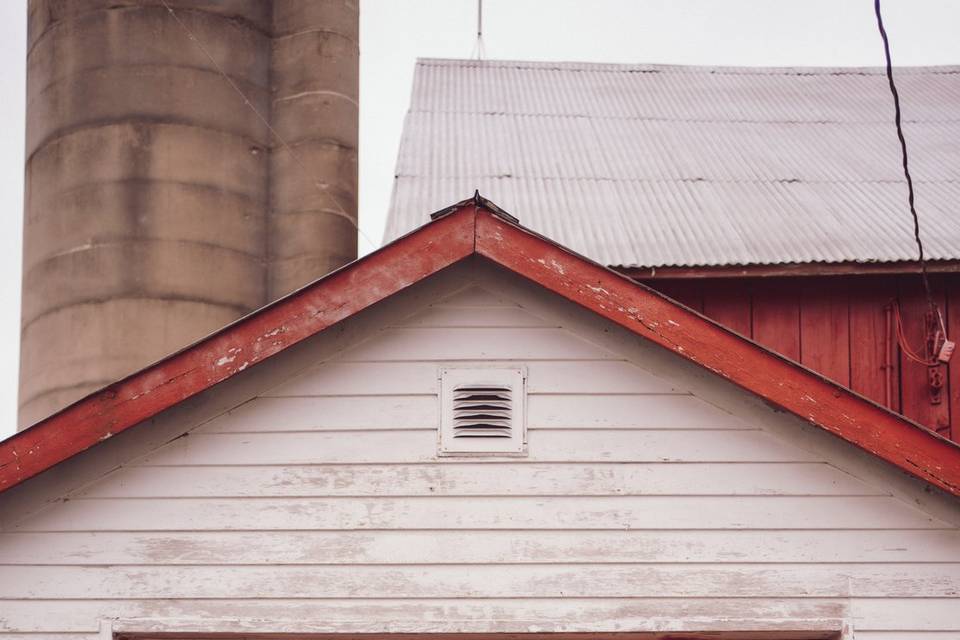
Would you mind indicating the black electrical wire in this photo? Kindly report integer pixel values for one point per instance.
(906, 167)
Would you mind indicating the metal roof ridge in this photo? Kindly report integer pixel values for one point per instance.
(573, 65)
(641, 118)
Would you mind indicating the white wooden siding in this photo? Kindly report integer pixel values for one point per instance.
(473, 479)
(320, 506)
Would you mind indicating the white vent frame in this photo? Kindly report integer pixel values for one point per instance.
(453, 439)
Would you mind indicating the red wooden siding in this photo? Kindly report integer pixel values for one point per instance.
(687, 292)
(870, 352)
(728, 304)
(825, 328)
(837, 326)
(776, 315)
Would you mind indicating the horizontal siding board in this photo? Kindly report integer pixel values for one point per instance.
(628, 411)
(353, 378)
(559, 445)
(453, 316)
(933, 614)
(448, 616)
(478, 547)
(599, 376)
(474, 479)
(576, 411)
(477, 297)
(417, 378)
(336, 412)
(649, 512)
(909, 635)
(585, 581)
(474, 344)
(214, 449)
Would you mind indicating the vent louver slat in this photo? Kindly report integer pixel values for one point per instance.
(482, 412)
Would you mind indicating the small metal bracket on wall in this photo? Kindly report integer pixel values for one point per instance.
(933, 337)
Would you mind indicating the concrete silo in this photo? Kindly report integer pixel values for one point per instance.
(159, 204)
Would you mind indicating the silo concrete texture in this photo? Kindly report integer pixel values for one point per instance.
(313, 188)
(151, 185)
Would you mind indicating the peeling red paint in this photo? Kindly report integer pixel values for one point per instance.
(474, 228)
(781, 382)
(262, 334)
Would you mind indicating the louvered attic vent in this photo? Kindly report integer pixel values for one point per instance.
(483, 412)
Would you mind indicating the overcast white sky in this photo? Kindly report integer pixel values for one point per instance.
(395, 32)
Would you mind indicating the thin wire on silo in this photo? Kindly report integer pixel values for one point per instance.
(322, 188)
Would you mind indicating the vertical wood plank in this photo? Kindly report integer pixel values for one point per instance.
(953, 331)
(825, 327)
(686, 292)
(728, 302)
(776, 315)
(868, 339)
(914, 385)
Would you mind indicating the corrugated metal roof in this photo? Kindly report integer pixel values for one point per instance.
(640, 165)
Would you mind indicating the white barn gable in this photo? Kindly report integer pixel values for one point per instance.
(308, 496)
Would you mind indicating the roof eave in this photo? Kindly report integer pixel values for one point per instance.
(791, 269)
(779, 381)
(475, 227)
(242, 344)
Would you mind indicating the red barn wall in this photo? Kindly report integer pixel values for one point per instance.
(837, 325)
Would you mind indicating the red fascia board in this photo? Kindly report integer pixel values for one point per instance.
(786, 270)
(779, 381)
(242, 344)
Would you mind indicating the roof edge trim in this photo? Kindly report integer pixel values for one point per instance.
(475, 226)
(786, 269)
(780, 382)
(240, 345)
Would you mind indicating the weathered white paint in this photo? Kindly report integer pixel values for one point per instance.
(147, 548)
(419, 445)
(502, 581)
(312, 500)
(545, 411)
(420, 378)
(472, 479)
(442, 512)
